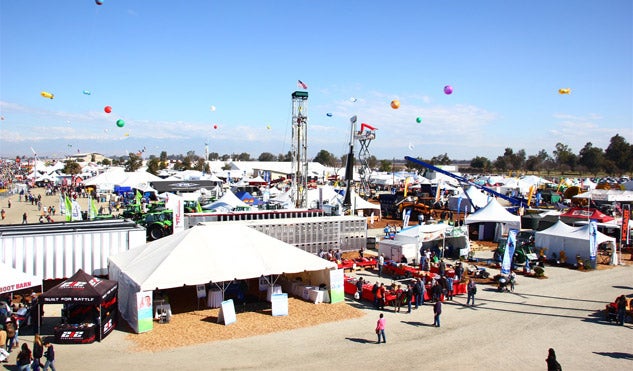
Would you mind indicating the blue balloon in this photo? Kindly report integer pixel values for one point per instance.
(329, 114)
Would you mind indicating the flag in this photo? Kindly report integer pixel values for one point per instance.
(92, 209)
(302, 85)
(506, 265)
(198, 207)
(76, 208)
(62, 205)
(406, 185)
(593, 239)
(138, 197)
(69, 209)
(405, 217)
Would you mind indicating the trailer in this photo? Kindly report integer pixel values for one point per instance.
(58, 250)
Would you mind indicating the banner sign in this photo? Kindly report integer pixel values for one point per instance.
(506, 265)
(626, 217)
(593, 238)
(279, 304)
(337, 290)
(145, 311)
(227, 312)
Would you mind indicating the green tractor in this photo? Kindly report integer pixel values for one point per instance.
(524, 249)
(158, 223)
(157, 220)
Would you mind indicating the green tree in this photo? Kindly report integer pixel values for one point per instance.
(244, 157)
(385, 165)
(153, 165)
(480, 163)
(133, 163)
(267, 156)
(325, 158)
(620, 153)
(592, 158)
(71, 167)
(164, 160)
(441, 160)
(372, 162)
(225, 157)
(106, 162)
(537, 162)
(213, 156)
(564, 157)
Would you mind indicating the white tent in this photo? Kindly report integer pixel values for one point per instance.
(216, 252)
(13, 280)
(573, 240)
(495, 213)
(228, 202)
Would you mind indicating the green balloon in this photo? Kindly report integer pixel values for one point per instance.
(418, 120)
(120, 123)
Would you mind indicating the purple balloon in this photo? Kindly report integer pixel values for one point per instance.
(448, 90)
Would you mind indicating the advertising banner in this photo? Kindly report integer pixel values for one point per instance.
(145, 311)
(337, 291)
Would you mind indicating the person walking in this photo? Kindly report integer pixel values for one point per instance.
(471, 290)
(24, 218)
(50, 356)
(620, 303)
(449, 287)
(380, 328)
(381, 261)
(552, 363)
(417, 293)
(38, 352)
(24, 358)
(3, 214)
(437, 311)
(409, 297)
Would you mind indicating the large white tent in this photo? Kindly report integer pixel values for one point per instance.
(495, 213)
(573, 240)
(216, 252)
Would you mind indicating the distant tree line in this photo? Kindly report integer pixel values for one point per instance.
(616, 159)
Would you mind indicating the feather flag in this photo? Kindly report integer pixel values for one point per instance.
(69, 209)
(302, 85)
(138, 198)
(506, 265)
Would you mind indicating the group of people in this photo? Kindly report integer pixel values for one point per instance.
(31, 360)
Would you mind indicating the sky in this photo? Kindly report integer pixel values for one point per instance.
(162, 65)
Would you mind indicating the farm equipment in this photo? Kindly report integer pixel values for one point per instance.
(157, 220)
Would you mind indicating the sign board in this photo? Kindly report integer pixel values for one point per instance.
(626, 216)
(337, 290)
(279, 304)
(145, 311)
(227, 312)
(202, 291)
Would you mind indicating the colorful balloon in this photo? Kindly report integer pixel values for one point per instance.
(448, 90)
(87, 92)
(395, 104)
(353, 99)
(564, 91)
(215, 126)
(418, 119)
(99, 2)
(120, 123)
(268, 127)
(212, 108)
(328, 114)
(107, 109)
(46, 94)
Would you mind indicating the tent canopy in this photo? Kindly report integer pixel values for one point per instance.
(13, 280)
(214, 252)
(494, 212)
(573, 240)
(80, 288)
(588, 214)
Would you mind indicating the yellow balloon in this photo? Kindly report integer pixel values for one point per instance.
(564, 91)
(46, 94)
(395, 104)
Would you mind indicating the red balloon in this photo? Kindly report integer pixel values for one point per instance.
(215, 126)
(107, 109)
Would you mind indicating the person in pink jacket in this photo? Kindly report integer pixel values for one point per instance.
(380, 329)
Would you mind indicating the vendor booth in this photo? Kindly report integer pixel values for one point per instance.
(90, 308)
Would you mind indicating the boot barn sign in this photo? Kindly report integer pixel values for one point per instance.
(15, 287)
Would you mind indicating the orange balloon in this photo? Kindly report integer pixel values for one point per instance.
(395, 104)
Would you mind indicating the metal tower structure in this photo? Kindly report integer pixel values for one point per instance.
(364, 137)
(300, 148)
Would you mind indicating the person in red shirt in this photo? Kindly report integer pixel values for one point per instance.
(380, 294)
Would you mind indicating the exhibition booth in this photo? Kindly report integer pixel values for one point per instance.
(90, 308)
